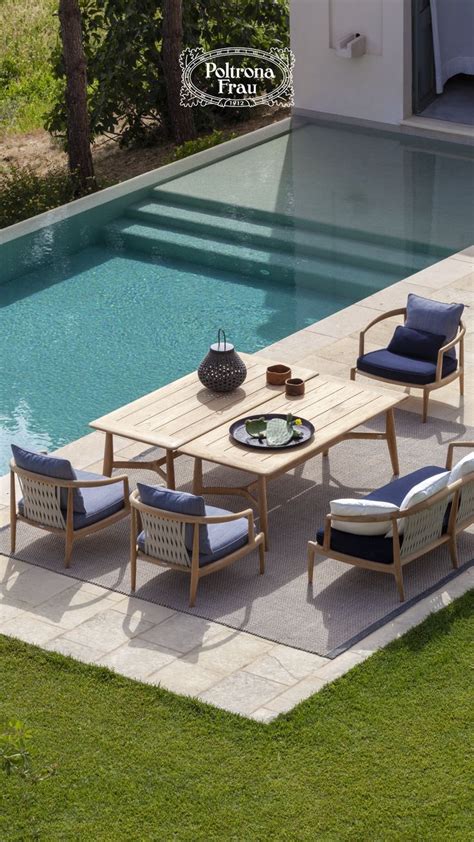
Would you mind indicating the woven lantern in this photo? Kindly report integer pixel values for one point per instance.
(222, 370)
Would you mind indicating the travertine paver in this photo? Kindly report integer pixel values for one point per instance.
(186, 678)
(188, 655)
(182, 632)
(137, 658)
(241, 692)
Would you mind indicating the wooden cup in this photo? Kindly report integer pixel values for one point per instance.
(278, 374)
(294, 386)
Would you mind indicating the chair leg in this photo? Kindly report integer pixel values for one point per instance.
(353, 373)
(398, 573)
(133, 569)
(461, 384)
(12, 513)
(194, 586)
(261, 553)
(426, 397)
(68, 550)
(13, 534)
(311, 552)
(453, 551)
(326, 452)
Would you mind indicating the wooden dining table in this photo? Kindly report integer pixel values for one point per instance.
(175, 414)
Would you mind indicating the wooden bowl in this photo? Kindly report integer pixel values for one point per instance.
(278, 374)
(294, 386)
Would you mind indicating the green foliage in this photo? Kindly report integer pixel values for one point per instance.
(25, 193)
(15, 757)
(382, 754)
(122, 41)
(28, 88)
(190, 147)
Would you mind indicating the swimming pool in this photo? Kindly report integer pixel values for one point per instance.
(263, 243)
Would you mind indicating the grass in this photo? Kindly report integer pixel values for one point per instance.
(28, 33)
(382, 754)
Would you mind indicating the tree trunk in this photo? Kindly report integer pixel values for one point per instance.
(78, 128)
(180, 118)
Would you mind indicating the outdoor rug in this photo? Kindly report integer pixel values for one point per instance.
(343, 605)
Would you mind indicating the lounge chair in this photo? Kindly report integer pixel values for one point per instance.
(421, 353)
(62, 500)
(418, 512)
(177, 530)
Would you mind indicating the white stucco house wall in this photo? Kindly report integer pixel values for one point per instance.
(377, 87)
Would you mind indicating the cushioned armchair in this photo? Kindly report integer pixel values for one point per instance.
(422, 352)
(177, 530)
(417, 513)
(59, 499)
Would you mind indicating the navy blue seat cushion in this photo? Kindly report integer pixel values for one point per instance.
(397, 367)
(377, 547)
(435, 316)
(416, 343)
(182, 504)
(224, 538)
(50, 466)
(99, 502)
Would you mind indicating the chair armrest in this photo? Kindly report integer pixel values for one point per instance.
(96, 483)
(449, 458)
(136, 503)
(330, 519)
(400, 311)
(69, 483)
(457, 339)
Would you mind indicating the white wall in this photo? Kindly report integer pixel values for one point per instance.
(375, 87)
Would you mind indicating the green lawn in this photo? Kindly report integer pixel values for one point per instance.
(382, 754)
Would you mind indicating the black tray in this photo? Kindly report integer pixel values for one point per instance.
(238, 432)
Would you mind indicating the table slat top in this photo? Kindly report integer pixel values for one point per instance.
(183, 410)
(335, 407)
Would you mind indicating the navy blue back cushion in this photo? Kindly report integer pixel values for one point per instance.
(182, 504)
(420, 344)
(435, 316)
(49, 466)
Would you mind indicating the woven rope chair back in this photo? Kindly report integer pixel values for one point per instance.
(41, 502)
(165, 539)
(424, 527)
(466, 505)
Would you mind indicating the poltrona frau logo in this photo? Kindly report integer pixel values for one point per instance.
(236, 77)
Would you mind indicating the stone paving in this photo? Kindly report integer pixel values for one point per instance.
(224, 667)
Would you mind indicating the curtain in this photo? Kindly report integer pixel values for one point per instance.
(453, 39)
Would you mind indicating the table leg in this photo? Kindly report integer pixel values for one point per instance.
(197, 476)
(263, 508)
(392, 440)
(170, 478)
(108, 463)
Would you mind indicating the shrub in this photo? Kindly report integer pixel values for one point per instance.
(190, 147)
(25, 193)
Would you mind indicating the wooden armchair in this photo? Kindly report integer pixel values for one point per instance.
(434, 375)
(42, 504)
(159, 537)
(427, 525)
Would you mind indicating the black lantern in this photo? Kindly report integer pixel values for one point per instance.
(222, 370)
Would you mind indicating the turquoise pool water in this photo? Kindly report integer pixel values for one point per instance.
(263, 243)
(76, 343)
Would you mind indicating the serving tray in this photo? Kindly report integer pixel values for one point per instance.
(238, 432)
